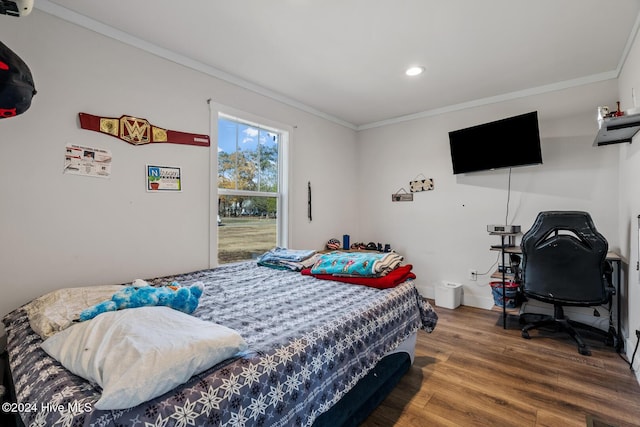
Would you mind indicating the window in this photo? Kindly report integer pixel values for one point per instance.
(251, 209)
(247, 157)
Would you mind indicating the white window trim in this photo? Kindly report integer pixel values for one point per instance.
(286, 132)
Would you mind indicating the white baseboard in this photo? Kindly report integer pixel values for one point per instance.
(427, 291)
(485, 303)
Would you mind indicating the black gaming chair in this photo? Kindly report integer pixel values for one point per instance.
(563, 263)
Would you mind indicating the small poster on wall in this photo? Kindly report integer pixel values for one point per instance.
(163, 178)
(88, 161)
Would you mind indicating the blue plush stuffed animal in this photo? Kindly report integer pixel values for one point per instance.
(184, 299)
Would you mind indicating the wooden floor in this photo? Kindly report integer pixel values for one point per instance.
(472, 372)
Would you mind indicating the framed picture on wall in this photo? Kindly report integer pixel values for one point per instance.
(163, 179)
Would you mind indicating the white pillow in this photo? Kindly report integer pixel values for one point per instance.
(57, 310)
(138, 354)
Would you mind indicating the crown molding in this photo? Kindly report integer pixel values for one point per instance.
(108, 31)
(595, 78)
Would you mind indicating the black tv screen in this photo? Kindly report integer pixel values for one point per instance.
(514, 141)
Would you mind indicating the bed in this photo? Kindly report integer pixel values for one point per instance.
(315, 350)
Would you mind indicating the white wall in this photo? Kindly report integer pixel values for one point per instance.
(443, 232)
(61, 230)
(629, 208)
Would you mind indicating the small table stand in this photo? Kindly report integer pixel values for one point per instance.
(507, 240)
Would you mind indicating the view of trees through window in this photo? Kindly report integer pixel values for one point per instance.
(248, 194)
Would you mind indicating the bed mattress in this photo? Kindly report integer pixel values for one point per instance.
(310, 341)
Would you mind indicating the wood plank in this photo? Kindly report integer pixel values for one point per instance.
(470, 371)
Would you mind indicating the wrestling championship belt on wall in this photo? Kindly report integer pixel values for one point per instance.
(139, 131)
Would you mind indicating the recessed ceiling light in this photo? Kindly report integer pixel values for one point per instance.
(414, 71)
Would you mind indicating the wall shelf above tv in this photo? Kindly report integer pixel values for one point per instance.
(615, 130)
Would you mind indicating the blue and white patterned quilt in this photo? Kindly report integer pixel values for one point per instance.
(310, 341)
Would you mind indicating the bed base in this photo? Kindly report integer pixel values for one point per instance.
(368, 393)
(7, 418)
(355, 406)
(350, 411)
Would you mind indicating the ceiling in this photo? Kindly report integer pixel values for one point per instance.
(345, 59)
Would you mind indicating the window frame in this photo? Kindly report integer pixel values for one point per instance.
(282, 196)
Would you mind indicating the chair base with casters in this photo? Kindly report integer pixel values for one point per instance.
(559, 322)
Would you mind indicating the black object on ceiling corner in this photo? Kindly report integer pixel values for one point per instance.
(16, 8)
(16, 84)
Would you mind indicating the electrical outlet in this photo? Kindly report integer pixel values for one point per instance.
(473, 275)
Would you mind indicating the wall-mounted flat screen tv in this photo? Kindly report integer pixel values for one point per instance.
(510, 142)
